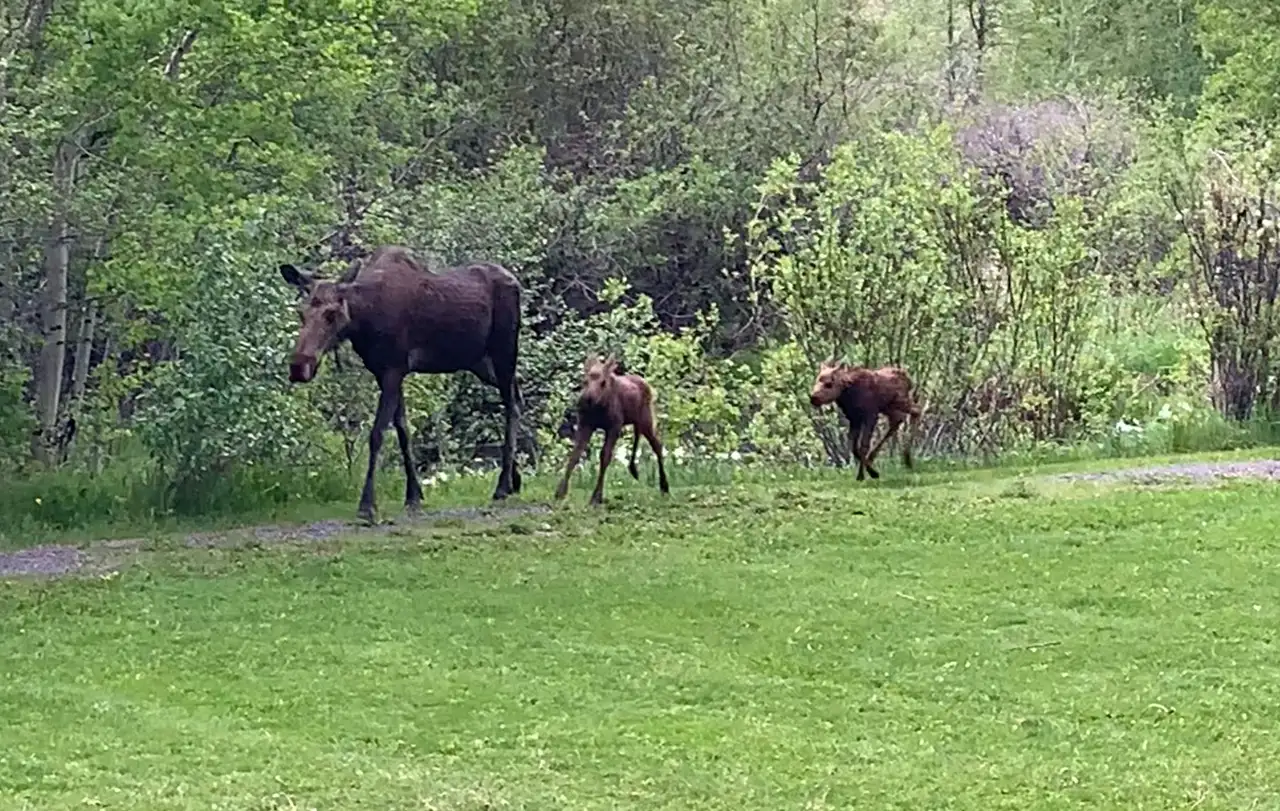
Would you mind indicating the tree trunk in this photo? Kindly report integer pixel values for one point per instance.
(980, 21)
(84, 347)
(53, 308)
(953, 48)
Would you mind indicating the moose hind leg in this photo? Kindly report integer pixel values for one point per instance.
(651, 434)
(635, 446)
(895, 422)
(509, 478)
(913, 428)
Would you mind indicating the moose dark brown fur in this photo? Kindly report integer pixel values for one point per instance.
(862, 395)
(610, 401)
(400, 319)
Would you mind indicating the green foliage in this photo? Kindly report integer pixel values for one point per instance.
(781, 426)
(697, 397)
(912, 188)
(1149, 45)
(15, 419)
(1244, 40)
(879, 264)
(213, 409)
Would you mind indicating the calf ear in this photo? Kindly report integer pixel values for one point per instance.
(295, 277)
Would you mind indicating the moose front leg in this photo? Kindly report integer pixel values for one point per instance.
(582, 435)
(388, 397)
(606, 456)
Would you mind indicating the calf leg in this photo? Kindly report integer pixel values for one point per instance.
(580, 439)
(635, 446)
(606, 456)
(861, 437)
(651, 433)
(867, 431)
(913, 427)
(412, 487)
(389, 395)
(895, 422)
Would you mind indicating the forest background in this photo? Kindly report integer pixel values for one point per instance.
(1058, 214)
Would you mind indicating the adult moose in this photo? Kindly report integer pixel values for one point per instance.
(402, 318)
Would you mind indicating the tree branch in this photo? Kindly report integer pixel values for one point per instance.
(172, 68)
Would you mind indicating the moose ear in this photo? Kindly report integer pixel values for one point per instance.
(295, 277)
(611, 363)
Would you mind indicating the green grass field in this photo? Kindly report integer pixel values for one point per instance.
(959, 641)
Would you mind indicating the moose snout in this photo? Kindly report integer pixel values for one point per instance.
(815, 401)
(302, 369)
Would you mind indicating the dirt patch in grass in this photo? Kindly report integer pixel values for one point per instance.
(102, 557)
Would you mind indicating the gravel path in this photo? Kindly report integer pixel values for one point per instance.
(56, 560)
(1197, 472)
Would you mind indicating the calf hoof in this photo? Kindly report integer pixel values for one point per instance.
(861, 475)
(634, 471)
(516, 481)
(875, 474)
(562, 490)
(596, 501)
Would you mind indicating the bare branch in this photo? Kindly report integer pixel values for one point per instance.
(174, 65)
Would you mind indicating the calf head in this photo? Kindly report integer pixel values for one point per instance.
(325, 312)
(599, 379)
(828, 385)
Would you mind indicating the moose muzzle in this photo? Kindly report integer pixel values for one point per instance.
(302, 369)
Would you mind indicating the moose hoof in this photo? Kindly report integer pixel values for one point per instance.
(873, 473)
(413, 509)
(366, 514)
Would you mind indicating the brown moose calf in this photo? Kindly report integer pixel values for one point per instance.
(609, 402)
(862, 395)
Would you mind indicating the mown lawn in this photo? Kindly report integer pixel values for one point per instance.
(964, 644)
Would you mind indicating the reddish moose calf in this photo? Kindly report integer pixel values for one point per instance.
(609, 402)
(862, 395)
